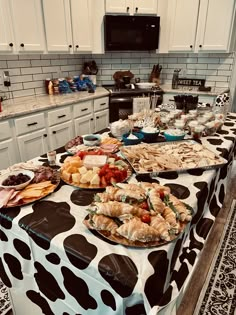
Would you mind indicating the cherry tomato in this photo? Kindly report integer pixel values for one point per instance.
(146, 218)
(162, 194)
(144, 205)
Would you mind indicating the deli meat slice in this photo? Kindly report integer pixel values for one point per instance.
(5, 196)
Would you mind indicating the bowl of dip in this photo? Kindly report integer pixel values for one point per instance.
(150, 133)
(132, 138)
(92, 140)
(174, 134)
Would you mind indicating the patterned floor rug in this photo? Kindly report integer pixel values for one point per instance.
(218, 295)
(5, 304)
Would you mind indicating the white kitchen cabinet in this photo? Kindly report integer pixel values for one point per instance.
(7, 153)
(27, 21)
(69, 30)
(6, 34)
(84, 125)
(101, 120)
(183, 17)
(215, 25)
(60, 134)
(33, 144)
(209, 25)
(131, 6)
(8, 150)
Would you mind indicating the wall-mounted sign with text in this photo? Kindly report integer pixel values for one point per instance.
(191, 82)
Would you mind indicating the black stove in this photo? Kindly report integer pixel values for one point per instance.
(133, 90)
(121, 99)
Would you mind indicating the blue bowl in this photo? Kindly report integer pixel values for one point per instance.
(132, 141)
(150, 136)
(173, 138)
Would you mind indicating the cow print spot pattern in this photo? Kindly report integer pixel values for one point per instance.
(46, 220)
(53, 258)
(83, 197)
(169, 175)
(215, 141)
(120, 272)
(156, 282)
(196, 172)
(47, 283)
(201, 199)
(137, 309)
(203, 227)
(179, 191)
(13, 265)
(180, 275)
(78, 288)
(214, 207)
(37, 299)
(3, 236)
(108, 299)
(4, 276)
(22, 248)
(77, 246)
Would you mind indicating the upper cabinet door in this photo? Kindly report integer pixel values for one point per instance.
(214, 25)
(145, 6)
(28, 25)
(58, 25)
(183, 16)
(81, 25)
(6, 33)
(119, 6)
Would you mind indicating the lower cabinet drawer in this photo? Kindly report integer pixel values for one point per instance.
(29, 123)
(101, 103)
(59, 115)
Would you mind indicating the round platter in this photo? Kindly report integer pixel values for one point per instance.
(89, 186)
(124, 241)
(45, 192)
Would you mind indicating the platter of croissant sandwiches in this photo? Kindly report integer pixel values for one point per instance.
(139, 215)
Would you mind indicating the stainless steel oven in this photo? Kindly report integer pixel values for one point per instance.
(121, 100)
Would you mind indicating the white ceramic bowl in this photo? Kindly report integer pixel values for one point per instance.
(92, 140)
(145, 85)
(19, 186)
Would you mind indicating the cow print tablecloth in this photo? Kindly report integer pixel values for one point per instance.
(54, 265)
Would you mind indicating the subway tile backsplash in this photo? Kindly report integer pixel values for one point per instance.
(28, 72)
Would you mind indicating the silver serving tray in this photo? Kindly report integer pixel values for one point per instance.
(221, 163)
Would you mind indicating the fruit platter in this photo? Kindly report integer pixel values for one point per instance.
(23, 186)
(139, 215)
(94, 169)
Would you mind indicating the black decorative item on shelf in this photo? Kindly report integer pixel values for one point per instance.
(186, 102)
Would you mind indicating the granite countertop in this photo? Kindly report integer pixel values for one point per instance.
(26, 105)
(192, 90)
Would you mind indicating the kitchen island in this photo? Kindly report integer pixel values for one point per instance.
(53, 264)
